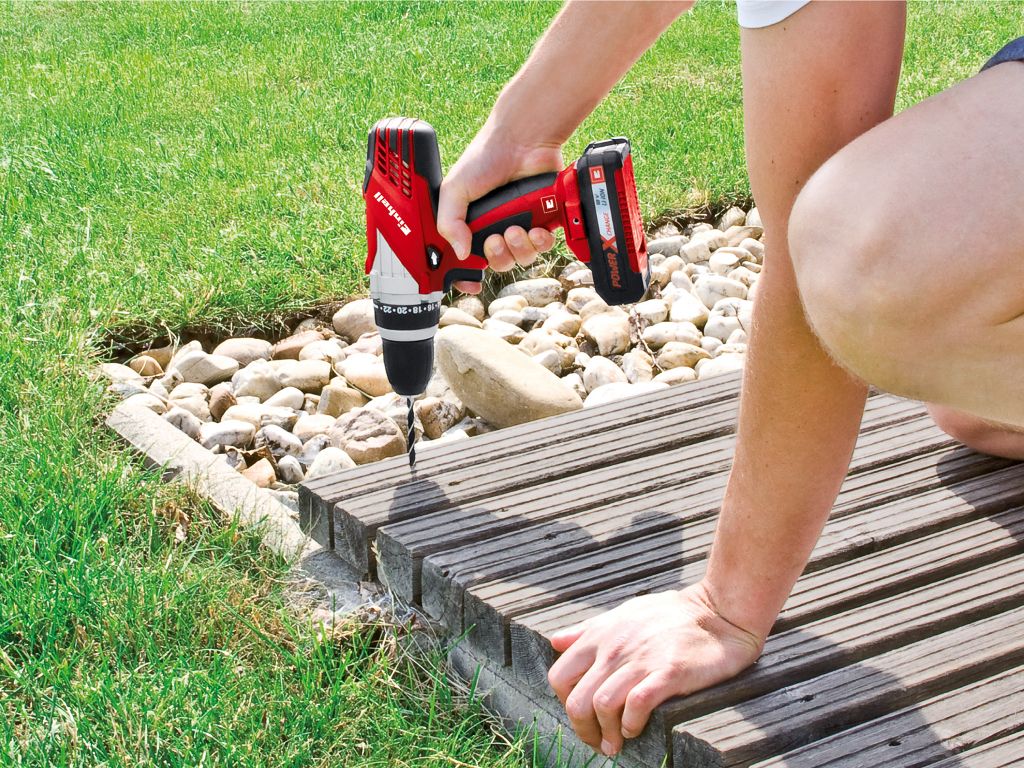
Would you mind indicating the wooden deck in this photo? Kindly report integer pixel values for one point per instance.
(901, 645)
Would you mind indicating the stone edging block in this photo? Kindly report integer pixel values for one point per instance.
(184, 460)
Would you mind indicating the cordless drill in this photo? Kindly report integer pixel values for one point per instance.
(411, 266)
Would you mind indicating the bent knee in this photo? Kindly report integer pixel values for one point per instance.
(856, 272)
(979, 434)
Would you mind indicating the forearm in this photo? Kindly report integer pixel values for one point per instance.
(584, 53)
(799, 419)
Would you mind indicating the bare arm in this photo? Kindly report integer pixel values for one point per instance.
(586, 50)
(811, 84)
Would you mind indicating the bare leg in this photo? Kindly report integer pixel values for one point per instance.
(909, 249)
(981, 434)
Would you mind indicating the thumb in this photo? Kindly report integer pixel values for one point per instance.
(451, 218)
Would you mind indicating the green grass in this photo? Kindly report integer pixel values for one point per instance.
(171, 165)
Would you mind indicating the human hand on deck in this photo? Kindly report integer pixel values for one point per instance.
(493, 158)
(617, 667)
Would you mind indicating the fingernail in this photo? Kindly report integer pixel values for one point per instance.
(607, 748)
(515, 240)
(461, 251)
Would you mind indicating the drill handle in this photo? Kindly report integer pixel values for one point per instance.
(527, 203)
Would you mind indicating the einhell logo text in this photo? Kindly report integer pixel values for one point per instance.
(401, 222)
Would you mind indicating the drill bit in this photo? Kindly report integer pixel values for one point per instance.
(411, 436)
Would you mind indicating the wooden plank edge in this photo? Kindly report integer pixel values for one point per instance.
(540, 718)
(801, 714)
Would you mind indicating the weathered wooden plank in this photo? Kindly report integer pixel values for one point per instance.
(358, 519)
(318, 497)
(448, 574)
(852, 636)
(1000, 753)
(622, 492)
(489, 606)
(921, 735)
(807, 712)
(907, 566)
(817, 594)
(846, 638)
(402, 546)
(632, 430)
(549, 737)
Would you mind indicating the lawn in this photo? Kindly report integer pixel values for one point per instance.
(169, 165)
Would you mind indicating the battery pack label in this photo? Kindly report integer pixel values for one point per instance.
(605, 224)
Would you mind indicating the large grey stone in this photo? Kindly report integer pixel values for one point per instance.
(497, 382)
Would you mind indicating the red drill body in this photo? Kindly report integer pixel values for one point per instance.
(411, 266)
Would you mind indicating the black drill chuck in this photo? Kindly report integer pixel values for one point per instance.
(409, 365)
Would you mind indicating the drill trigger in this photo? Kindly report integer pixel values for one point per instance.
(462, 273)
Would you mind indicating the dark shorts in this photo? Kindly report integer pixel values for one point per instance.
(1012, 51)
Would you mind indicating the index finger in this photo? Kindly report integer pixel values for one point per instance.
(452, 205)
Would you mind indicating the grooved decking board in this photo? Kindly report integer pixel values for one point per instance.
(375, 493)
(629, 488)
(916, 587)
(1000, 753)
(505, 556)
(802, 714)
(488, 607)
(925, 734)
(817, 594)
(625, 487)
(852, 636)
